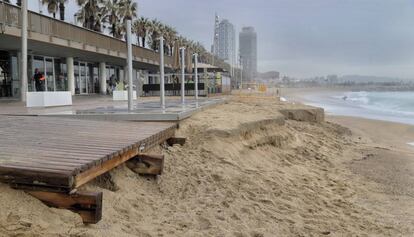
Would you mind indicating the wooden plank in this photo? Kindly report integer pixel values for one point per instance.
(34, 176)
(43, 153)
(87, 204)
(96, 171)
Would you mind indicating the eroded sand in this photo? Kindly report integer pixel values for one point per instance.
(241, 173)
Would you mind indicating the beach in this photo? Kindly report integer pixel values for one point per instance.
(388, 167)
(250, 167)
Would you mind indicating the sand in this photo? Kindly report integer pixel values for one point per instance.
(245, 171)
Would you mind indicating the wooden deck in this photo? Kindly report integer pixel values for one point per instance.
(42, 153)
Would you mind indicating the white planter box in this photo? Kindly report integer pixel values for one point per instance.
(122, 95)
(48, 98)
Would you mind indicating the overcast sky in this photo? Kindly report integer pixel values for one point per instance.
(304, 38)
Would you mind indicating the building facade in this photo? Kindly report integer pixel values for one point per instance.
(248, 52)
(70, 57)
(226, 45)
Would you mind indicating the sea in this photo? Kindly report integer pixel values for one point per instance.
(394, 106)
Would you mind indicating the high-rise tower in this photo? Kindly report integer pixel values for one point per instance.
(248, 52)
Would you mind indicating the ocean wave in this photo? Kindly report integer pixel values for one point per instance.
(358, 97)
(392, 106)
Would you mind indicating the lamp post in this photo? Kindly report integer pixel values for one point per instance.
(196, 76)
(241, 73)
(162, 85)
(23, 69)
(129, 63)
(182, 50)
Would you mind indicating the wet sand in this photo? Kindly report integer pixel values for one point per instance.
(386, 168)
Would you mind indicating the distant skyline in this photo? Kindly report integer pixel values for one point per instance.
(303, 38)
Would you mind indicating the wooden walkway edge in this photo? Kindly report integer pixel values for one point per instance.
(53, 155)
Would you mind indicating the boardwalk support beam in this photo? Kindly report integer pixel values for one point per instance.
(87, 204)
(176, 140)
(147, 164)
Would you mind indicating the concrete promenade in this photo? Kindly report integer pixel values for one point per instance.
(104, 108)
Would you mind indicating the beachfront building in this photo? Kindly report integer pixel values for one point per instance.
(70, 57)
(248, 53)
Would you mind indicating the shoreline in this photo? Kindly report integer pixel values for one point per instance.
(327, 98)
(389, 133)
(385, 171)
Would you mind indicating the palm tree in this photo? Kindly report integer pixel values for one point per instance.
(141, 27)
(170, 35)
(154, 33)
(52, 6)
(62, 9)
(91, 14)
(113, 18)
(128, 9)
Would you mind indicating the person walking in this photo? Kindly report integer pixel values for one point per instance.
(39, 80)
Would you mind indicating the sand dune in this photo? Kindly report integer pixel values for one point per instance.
(244, 171)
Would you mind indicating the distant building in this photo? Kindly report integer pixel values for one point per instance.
(214, 46)
(226, 47)
(271, 75)
(248, 52)
(224, 43)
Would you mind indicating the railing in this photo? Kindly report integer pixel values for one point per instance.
(173, 89)
(10, 16)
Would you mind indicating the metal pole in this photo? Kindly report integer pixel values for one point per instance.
(139, 86)
(23, 68)
(129, 63)
(182, 75)
(162, 85)
(241, 73)
(241, 78)
(196, 76)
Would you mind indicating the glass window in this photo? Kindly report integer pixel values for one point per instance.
(96, 79)
(83, 77)
(61, 75)
(77, 78)
(50, 80)
(15, 77)
(30, 72)
(38, 63)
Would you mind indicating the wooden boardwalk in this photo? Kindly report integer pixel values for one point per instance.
(42, 153)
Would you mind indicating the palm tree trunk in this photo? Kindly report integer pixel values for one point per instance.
(143, 41)
(114, 30)
(62, 11)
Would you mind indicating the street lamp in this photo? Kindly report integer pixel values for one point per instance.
(182, 50)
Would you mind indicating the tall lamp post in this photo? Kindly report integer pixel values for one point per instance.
(196, 76)
(162, 85)
(182, 50)
(129, 63)
(23, 69)
(241, 72)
